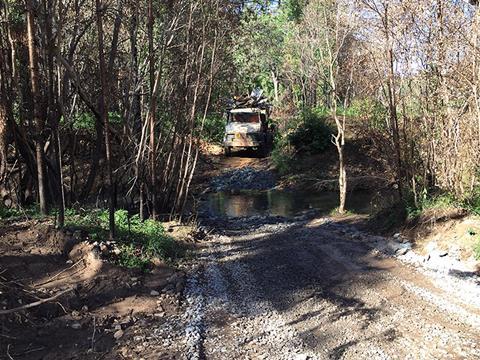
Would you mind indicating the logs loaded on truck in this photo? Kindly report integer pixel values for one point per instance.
(248, 124)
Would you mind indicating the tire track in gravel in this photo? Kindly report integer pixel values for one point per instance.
(288, 290)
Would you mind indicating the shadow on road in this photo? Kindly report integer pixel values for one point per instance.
(311, 274)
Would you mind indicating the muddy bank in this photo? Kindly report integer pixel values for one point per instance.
(84, 306)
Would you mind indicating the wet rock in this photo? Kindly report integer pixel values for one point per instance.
(244, 179)
(154, 293)
(76, 326)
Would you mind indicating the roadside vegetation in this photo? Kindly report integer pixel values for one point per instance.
(307, 134)
(137, 243)
(340, 61)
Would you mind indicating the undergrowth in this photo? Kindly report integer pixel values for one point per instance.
(429, 202)
(138, 242)
(307, 133)
(31, 212)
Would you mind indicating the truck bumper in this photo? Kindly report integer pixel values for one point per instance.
(242, 140)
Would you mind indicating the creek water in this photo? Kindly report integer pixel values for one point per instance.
(289, 203)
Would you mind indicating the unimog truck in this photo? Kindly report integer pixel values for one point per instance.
(248, 125)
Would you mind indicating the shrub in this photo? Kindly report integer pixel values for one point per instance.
(313, 134)
(369, 109)
(428, 201)
(214, 128)
(472, 202)
(139, 242)
(6, 213)
(282, 155)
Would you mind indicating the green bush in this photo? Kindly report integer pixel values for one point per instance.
(472, 202)
(139, 242)
(282, 155)
(213, 129)
(6, 213)
(313, 134)
(429, 201)
(31, 212)
(372, 110)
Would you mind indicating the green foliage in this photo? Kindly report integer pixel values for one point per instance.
(258, 51)
(335, 212)
(428, 202)
(472, 202)
(313, 135)
(139, 242)
(16, 13)
(282, 155)
(294, 9)
(6, 213)
(214, 128)
(131, 257)
(86, 121)
(369, 109)
(476, 250)
(31, 212)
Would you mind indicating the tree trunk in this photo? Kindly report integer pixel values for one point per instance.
(37, 113)
(152, 119)
(104, 113)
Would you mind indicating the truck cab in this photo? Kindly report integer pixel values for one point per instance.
(248, 128)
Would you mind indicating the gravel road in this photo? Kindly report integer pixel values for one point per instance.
(270, 288)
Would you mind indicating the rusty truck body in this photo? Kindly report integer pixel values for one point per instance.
(248, 128)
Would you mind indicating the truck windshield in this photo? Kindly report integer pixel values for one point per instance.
(245, 118)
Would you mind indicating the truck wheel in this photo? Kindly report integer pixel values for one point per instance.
(228, 151)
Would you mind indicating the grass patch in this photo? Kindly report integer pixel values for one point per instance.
(31, 212)
(138, 242)
(440, 201)
(346, 212)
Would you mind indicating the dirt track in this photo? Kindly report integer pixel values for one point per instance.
(316, 288)
(319, 290)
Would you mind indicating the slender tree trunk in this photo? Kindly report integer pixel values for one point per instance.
(61, 201)
(275, 86)
(37, 113)
(392, 104)
(152, 119)
(104, 113)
